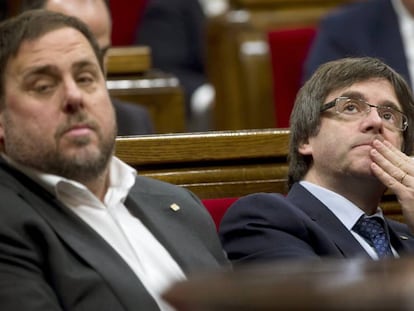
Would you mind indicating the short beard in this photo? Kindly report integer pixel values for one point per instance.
(78, 168)
(29, 151)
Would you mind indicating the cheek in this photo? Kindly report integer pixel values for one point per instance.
(396, 140)
(30, 116)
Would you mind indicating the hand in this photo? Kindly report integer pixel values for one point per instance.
(396, 171)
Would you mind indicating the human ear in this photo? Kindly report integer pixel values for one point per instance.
(305, 148)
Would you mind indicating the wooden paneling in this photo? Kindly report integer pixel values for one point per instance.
(128, 60)
(219, 164)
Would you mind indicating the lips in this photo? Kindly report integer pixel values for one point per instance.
(77, 129)
(368, 142)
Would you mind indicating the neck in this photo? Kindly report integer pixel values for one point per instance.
(366, 193)
(98, 186)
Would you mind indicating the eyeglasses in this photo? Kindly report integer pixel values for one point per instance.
(356, 108)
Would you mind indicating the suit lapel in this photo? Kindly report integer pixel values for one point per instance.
(84, 241)
(401, 240)
(325, 219)
(170, 227)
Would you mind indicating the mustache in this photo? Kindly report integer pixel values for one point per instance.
(80, 118)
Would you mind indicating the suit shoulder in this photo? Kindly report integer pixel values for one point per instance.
(264, 206)
(354, 13)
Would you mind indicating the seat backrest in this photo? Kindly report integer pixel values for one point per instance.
(219, 166)
(288, 50)
(126, 15)
(218, 207)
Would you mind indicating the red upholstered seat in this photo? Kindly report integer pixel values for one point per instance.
(288, 51)
(126, 15)
(217, 207)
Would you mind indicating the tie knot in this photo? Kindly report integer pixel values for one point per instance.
(373, 231)
(369, 227)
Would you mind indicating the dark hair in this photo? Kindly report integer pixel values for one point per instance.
(32, 25)
(40, 4)
(331, 76)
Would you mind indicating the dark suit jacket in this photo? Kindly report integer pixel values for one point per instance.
(175, 31)
(132, 119)
(266, 226)
(366, 28)
(51, 260)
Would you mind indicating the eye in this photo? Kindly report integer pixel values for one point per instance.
(85, 79)
(387, 114)
(43, 86)
(351, 107)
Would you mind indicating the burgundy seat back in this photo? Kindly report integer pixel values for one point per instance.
(126, 15)
(288, 50)
(217, 207)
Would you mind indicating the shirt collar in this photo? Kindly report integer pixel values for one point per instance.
(346, 211)
(121, 179)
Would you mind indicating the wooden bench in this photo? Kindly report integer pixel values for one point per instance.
(131, 78)
(220, 164)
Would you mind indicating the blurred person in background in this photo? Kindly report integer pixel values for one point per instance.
(377, 28)
(175, 30)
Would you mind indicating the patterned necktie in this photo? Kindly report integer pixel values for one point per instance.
(372, 230)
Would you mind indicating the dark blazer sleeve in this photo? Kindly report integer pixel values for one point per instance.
(263, 227)
(23, 284)
(132, 119)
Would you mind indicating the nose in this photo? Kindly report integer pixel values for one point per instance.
(73, 100)
(372, 121)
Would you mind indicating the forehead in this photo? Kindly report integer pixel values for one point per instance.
(93, 13)
(375, 91)
(57, 47)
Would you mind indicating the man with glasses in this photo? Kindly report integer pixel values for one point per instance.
(351, 134)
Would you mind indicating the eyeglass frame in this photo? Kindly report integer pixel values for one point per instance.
(334, 102)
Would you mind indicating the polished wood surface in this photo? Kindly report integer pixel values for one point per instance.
(349, 284)
(220, 164)
(212, 164)
(128, 60)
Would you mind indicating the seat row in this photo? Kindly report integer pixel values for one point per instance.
(220, 166)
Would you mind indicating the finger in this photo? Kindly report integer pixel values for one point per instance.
(389, 168)
(394, 155)
(387, 179)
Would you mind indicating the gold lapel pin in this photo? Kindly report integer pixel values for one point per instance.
(403, 237)
(174, 207)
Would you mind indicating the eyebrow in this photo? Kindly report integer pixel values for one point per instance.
(359, 95)
(50, 69)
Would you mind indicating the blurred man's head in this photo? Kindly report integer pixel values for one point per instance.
(94, 13)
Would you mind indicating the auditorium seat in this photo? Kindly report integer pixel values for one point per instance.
(288, 49)
(126, 15)
(217, 207)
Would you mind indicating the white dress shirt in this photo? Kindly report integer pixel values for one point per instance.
(127, 235)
